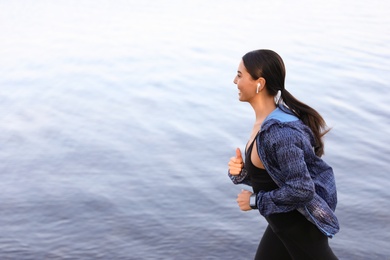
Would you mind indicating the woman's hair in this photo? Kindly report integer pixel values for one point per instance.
(269, 65)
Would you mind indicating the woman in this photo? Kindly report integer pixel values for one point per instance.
(293, 188)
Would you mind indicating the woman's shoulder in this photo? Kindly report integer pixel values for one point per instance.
(281, 114)
(279, 133)
(284, 126)
(282, 118)
(276, 130)
(277, 126)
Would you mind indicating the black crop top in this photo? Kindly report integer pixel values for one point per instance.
(260, 179)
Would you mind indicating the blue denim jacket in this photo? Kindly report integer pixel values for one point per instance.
(306, 183)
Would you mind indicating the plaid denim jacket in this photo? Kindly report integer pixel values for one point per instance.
(306, 183)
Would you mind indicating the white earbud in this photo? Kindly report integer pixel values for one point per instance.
(257, 89)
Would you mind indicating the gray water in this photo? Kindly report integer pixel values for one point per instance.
(118, 119)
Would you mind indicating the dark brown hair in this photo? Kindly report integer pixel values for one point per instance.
(269, 65)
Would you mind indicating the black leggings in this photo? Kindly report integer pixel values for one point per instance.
(291, 236)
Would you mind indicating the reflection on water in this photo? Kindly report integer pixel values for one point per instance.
(118, 118)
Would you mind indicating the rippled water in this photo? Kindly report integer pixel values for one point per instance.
(118, 119)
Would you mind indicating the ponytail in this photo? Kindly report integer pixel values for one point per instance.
(309, 117)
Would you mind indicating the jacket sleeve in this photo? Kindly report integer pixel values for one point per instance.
(283, 150)
(241, 178)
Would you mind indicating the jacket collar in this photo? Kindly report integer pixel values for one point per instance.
(281, 114)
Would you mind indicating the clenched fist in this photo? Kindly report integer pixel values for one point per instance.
(243, 200)
(236, 163)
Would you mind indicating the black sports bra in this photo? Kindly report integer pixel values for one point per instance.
(260, 179)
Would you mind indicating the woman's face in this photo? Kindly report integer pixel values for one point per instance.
(245, 83)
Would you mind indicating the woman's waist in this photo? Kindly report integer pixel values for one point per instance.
(282, 221)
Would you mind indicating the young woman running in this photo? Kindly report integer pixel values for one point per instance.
(293, 188)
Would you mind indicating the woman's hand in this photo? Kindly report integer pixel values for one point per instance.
(236, 163)
(243, 200)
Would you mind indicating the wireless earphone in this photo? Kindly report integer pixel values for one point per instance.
(257, 89)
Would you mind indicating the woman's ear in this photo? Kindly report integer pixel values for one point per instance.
(262, 82)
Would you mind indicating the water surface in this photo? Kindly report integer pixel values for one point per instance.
(118, 119)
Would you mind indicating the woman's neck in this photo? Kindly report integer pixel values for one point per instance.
(263, 107)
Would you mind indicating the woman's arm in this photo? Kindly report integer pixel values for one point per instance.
(283, 149)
